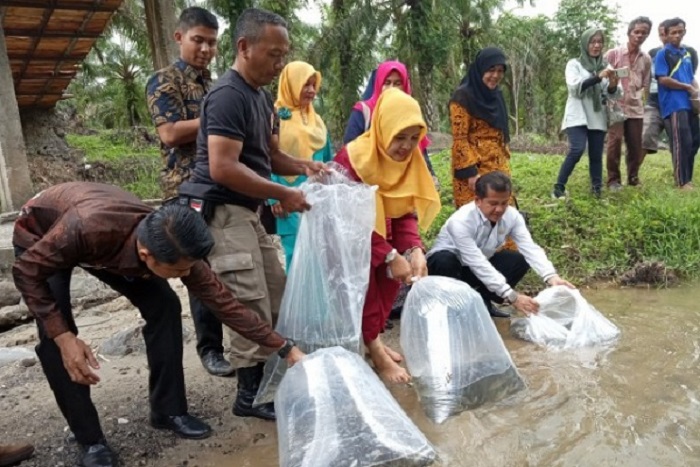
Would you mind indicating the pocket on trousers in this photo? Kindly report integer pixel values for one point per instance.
(237, 271)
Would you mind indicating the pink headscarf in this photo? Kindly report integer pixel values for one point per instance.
(383, 71)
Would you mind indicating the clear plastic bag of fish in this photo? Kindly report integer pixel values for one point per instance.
(453, 350)
(329, 275)
(333, 411)
(565, 320)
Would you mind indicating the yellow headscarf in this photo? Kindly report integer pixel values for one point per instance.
(404, 187)
(298, 139)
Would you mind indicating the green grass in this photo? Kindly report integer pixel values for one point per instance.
(123, 159)
(591, 239)
(108, 146)
(587, 239)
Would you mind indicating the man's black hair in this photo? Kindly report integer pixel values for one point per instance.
(639, 20)
(175, 232)
(669, 23)
(252, 22)
(497, 181)
(196, 16)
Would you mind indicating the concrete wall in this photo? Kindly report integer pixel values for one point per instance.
(15, 184)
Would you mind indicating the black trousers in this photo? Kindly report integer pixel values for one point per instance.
(209, 330)
(511, 264)
(684, 141)
(160, 307)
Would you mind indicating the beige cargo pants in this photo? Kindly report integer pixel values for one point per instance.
(246, 261)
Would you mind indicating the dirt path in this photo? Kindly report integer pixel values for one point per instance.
(29, 411)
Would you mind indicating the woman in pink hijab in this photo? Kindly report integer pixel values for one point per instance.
(389, 74)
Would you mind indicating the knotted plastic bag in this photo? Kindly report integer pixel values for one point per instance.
(329, 275)
(565, 320)
(453, 350)
(333, 411)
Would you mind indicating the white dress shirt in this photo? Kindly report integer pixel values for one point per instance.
(473, 238)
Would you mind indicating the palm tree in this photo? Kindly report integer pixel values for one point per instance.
(110, 87)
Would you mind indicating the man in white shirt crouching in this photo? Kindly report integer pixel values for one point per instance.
(469, 248)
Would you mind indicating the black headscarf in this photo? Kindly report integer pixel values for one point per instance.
(480, 101)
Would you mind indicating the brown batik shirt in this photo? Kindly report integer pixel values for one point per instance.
(173, 94)
(92, 225)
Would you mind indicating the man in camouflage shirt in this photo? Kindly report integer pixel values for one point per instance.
(174, 96)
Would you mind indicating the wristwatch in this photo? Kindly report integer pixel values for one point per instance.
(510, 297)
(286, 348)
(391, 256)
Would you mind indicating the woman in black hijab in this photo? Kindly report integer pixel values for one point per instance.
(479, 124)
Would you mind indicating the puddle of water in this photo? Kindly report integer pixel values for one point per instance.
(636, 403)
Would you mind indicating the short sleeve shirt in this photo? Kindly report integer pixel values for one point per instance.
(674, 100)
(174, 94)
(236, 110)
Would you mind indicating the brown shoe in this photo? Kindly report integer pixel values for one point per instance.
(14, 453)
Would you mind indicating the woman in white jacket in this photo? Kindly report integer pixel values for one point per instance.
(590, 83)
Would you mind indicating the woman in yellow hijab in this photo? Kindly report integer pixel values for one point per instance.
(387, 155)
(302, 135)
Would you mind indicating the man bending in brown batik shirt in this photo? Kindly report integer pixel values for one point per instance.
(113, 236)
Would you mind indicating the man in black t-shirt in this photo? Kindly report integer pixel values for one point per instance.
(237, 151)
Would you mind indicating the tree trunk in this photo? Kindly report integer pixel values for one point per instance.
(161, 25)
(513, 95)
(419, 18)
(466, 39)
(430, 110)
(346, 60)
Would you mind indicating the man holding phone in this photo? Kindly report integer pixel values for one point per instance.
(633, 67)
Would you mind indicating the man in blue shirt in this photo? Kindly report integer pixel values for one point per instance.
(653, 123)
(677, 86)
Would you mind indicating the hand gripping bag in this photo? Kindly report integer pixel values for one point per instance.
(329, 275)
(333, 411)
(453, 350)
(565, 320)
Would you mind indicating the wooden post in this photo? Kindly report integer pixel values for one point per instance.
(161, 25)
(15, 184)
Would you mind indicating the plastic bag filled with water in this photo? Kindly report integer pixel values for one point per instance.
(565, 320)
(453, 350)
(333, 411)
(329, 275)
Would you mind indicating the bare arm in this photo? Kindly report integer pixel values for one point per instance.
(674, 84)
(283, 163)
(174, 134)
(227, 170)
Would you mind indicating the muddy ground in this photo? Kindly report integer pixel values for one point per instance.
(30, 414)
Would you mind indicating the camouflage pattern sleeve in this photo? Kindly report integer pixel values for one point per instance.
(164, 98)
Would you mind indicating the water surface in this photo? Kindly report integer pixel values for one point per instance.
(635, 403)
